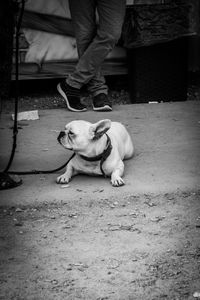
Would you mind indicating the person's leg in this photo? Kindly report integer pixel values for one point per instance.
(93, 47)
(84, 21)
(111, 15)
(83, 14)
(85, 25)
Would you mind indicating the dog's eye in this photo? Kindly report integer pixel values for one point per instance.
(70, 133)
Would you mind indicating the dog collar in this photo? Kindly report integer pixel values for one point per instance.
(102, 157)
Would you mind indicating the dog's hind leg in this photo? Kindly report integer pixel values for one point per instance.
(129, 149)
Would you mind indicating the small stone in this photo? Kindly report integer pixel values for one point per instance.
(34, 209)
(64, 186)
(54, 281)
(81, 269)
(112, 206)
(72, 215)
(19, 210)
(150, 204)
(196, 295)
(157, 219)
(67, 227)
(44, 236)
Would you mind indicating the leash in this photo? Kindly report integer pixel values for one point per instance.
(34, 172)
(102, 157)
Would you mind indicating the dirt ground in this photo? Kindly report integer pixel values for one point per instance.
(134, 247)
(94, 242)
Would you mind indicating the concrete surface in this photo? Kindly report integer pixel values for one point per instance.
(92, 241)
(167, 158)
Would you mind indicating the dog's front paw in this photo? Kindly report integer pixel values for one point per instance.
(64, 178)
(117, 180)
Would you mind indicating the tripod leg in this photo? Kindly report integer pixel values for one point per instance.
(6, 51)
(9, 182)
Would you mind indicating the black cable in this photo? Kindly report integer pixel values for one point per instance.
(15, 127)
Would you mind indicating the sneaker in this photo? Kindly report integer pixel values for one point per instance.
(101, 103)
(71, 96)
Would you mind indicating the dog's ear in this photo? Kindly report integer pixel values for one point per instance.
(99, 128)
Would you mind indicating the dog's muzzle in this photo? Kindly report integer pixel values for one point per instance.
(61, 135)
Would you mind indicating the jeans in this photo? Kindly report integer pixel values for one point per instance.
(94, 41)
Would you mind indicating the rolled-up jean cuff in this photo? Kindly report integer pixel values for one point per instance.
(73, 83)
(103, 91)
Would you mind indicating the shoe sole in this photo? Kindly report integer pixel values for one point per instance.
(103, 108)
(66, 100)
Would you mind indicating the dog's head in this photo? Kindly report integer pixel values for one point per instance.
(79, 135)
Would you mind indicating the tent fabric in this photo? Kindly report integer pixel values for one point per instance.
(44, 46)
(49, 33)
(58, 8)
(42, 28)
(47, 23)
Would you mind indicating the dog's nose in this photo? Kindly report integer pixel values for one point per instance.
(61, 135)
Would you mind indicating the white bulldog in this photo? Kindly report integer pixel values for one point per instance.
(99, 148)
